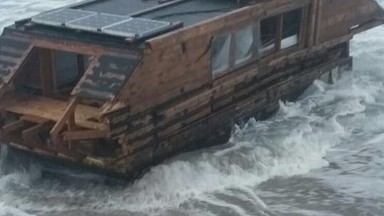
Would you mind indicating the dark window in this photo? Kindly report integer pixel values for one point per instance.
(268, 32)
(66, 67)
(69, 67)
(291, 28)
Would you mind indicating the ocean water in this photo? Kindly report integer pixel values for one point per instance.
(320, 156)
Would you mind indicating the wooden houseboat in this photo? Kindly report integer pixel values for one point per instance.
(121, 85)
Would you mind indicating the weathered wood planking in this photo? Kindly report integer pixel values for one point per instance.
(189, 47)
(222, 87)
(207, 131)
(179, 116)
(339, 16)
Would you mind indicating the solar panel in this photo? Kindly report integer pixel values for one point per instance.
(61, 17)
(137, 27)
(97, 22)
(116, 25)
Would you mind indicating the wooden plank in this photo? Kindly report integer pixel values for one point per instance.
(304, 26)
(81, 48)
(318, 21)
(15, 70)
(90, 124)
(47, 72)
(367, 26)
(90, 68)
(339, 16)
(84, 135)
(34, 119)
(16, 125)
(312, 23)
(45, 108)
(30, 135)
(64, 118)
(8, 59)
(279, 32)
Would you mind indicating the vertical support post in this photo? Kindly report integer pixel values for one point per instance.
(256, 39)
(312, 24)
(279, 31)
(47, 73)
(71, 124)
(80, 65)
(304, 27)
(232, 51)
(68, 118)
(318, 21)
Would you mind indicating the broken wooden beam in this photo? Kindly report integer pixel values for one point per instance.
(84, 135)
(64, 118)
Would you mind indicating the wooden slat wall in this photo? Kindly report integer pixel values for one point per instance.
(173, 85)
(179, 62)
(338, 16)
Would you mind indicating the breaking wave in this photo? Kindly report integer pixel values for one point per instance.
(292, 143)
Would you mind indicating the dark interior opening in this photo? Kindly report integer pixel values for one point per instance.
(51, 73)
(68, 68)
(291, 28)
(268, 31)
(291, 23)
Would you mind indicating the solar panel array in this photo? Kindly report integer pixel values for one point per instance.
(140, 27)
(61, 17)
(109, 24)
(96, 22)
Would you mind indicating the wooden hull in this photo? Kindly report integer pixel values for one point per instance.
(259, 99)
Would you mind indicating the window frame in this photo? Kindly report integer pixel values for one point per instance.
(256, 44)
(232, 50)
(215, 72)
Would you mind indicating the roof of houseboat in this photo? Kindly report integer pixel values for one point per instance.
(187, 11)
(117, 20)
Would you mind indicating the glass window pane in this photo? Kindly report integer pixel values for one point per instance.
(291, 28)
(268, 31)
(244, 42)
(66, 68)
(220, 54)
(289, 41)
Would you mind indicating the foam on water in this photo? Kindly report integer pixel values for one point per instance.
(9, 211)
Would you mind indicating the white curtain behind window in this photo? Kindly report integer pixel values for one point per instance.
(220, 54)
(244, 42)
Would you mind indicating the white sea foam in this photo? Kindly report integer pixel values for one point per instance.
(292, 143)
(10, 211)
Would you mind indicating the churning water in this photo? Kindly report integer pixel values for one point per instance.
(322, 155)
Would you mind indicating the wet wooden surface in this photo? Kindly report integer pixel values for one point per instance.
(47, 108)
